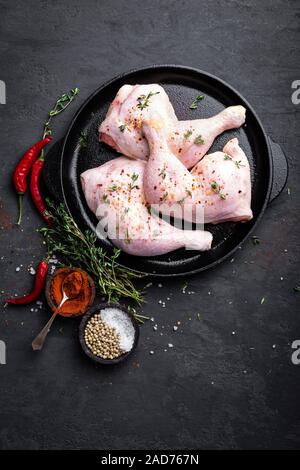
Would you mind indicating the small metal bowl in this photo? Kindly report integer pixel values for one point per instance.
(90, 313)
(68, 270)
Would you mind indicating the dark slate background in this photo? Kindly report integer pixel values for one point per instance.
(213, 389)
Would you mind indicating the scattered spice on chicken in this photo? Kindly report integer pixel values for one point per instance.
(238, 163)
(187, 134)
(134, 178)
(144, 100)
(199, 140)
(122, 127)
(216, 189)
(163, 172)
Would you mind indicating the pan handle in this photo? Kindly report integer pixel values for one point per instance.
(280, 170)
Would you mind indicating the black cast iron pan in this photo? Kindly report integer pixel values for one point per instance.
(182, 85)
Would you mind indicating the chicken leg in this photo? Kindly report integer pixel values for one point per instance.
(115, 193)
(188, 140)
(218, 189)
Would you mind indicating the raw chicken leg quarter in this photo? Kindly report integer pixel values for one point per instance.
(115, 193)
(188, 140)
(141, 123)
(220, 183)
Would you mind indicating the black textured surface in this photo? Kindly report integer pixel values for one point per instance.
(213, 389)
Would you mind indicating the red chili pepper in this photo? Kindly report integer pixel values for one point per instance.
(35, 190)
(23, 168)
(39, 284)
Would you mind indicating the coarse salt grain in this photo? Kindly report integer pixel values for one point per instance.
(116, 318)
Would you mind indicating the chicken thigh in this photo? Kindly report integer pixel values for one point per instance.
(115, 193)
(122, 127)
(188, 140)
(224, 185)
(218, 189)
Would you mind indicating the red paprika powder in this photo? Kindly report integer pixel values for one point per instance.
(73, 307)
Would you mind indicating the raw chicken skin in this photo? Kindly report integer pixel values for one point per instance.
(230, 198)
(115, 191)
(220, 183)
(182, 142)
(122, 127)
(125, 110)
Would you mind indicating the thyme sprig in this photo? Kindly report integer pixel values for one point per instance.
(143, 100)
(238, 164)
(61, 104)
(134, 178)
(188, 134)
(199, 140)
(83, 139)
(75, 248)
(217, 189)
(194, 104)
(163, 173)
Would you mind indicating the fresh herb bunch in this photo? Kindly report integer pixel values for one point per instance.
(76, 248)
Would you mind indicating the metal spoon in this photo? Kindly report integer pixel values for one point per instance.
(68, 294)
